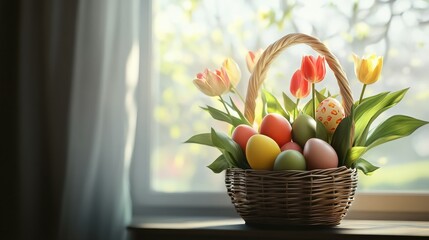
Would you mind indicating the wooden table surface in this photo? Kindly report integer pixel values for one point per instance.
(233, 228)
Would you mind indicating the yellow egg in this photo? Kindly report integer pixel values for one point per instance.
(330, 112)
(261, 152)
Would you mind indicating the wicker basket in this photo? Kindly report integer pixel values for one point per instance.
(316, 197)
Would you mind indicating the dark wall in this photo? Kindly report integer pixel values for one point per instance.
(9, 21)
(36, 56)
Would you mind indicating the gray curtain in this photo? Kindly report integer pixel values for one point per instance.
(71, 114)
(96, 203)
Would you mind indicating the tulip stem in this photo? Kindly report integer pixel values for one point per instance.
(223, 102)
(361, 93)
(296, 109)
(313, 89)
(238, 94)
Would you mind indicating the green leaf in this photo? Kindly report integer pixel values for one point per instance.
(354, 154)
(308, 108)
(343, 138)
(222, 116)
(264, 106)
(220, 164)
(230, 159)
(365, 110)
(370, 98)
(273, 105)
(290, 105)
(367, 104)
(320, 97)
(237, 110)
(395, 127)
(321, 132)
(203, 139)
(217, 114)
(366, 167)
(223, 142)
(370, 109)
(333, 96)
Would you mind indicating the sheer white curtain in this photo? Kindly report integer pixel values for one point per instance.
(96, 201)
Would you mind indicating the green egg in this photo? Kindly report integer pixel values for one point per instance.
(290, 160)
(303, 128)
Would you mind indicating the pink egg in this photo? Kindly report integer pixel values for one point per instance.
(330, 112)
(241, 135)
(319, 154)
(291, 146)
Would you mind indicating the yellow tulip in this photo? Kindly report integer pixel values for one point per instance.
(232, 70)
(368, 70)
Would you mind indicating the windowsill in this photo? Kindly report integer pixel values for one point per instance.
(234, 228)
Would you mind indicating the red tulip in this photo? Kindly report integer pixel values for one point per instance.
(313, 69)
(299, 87)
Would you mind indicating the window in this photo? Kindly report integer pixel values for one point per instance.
(180, 38)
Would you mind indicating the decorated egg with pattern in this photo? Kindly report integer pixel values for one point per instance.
(330, 112)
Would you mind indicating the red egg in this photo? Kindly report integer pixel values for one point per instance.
(291, 146)
(276, 127)
(241, 135)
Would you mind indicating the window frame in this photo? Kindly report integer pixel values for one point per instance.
(380, 205)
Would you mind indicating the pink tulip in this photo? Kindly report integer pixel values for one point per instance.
(212, 83)
(299, 87)
(313, 69)
(252, 58)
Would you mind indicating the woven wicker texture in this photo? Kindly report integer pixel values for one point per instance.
(317, 197)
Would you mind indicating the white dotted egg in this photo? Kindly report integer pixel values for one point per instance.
(330, 112)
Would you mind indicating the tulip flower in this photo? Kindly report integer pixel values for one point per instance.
(299, 87)
(252, 58)
(233, 71)
(367, 70)
(314, 70)
(212, 83)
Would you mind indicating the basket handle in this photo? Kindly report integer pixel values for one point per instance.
(260, 71)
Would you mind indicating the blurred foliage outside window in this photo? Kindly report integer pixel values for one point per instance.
(190, 35)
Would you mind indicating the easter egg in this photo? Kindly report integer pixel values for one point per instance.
(290, 160)
(330, 112)
(319, 154)
(261, 152)
(303, 128)
(291, 146)
(241, 135)
(276, 127)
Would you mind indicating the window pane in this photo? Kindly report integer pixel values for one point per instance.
(190, 35)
